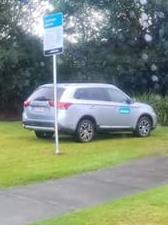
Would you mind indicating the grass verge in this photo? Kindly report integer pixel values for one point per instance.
(149, 208)
(25, 159)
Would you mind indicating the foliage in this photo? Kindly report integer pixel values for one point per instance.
(25, 159)
(22, 68)
(120, 42)
(22, 65)
(160, 106)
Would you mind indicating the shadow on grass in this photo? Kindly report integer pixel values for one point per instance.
(72, 139)
(99, 137)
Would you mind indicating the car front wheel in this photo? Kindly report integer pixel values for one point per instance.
(143, 127)
(85, 131)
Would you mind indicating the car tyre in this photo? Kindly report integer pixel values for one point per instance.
(43, 134)
(143, 127)
(85, 131)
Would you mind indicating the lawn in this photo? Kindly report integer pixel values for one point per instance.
(149, 208)
(25, 159)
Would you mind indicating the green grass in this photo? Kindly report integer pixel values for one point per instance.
(25, 159)
(149, 208)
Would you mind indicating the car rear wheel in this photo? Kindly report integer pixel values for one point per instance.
(143, 127)
(43, 134)
(85, 131)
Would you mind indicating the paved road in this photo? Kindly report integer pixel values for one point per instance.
(28, 204)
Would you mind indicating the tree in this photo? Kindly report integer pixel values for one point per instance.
(22, 65)
(129, 49)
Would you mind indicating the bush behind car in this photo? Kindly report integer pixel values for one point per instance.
(160, 105)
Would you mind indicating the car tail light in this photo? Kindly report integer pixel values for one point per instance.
(51, 103)
(26, 103)
(60, 105)
(63, 105)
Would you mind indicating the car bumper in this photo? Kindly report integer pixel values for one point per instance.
(47, 126)
(35, 125)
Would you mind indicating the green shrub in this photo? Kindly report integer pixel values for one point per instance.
(159, 104)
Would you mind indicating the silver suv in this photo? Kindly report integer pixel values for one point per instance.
(84, 110)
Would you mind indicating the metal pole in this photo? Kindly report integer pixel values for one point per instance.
(55, 104)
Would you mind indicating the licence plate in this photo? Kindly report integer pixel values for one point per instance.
(39, 109)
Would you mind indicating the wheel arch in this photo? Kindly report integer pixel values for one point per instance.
(142, 115)
(87, 117)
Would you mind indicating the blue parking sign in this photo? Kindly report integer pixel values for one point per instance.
(53, 34)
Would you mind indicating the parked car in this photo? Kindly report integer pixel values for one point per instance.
(85, 109)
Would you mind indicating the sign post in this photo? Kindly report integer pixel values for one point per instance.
(57, 150)
(53, 45)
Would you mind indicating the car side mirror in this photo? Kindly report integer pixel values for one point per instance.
(130, 101)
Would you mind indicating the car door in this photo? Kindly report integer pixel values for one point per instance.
(119, 114)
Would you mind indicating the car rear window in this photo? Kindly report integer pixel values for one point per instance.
(45, 94)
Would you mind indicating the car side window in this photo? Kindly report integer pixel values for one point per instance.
(117, 96)
(97, 94)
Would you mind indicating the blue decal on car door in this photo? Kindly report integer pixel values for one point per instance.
(124, 110)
